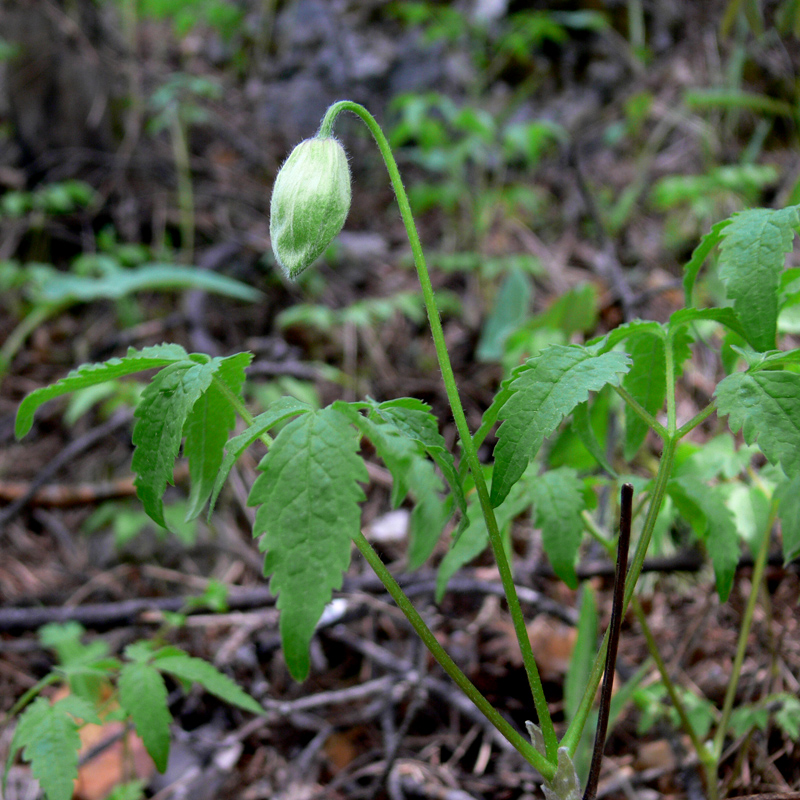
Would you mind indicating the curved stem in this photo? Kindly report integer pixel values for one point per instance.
(522, 745)
(468, 448)
(744, 633)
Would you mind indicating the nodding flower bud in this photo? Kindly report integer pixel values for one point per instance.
(310, 201)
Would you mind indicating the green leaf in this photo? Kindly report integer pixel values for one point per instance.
(48, 737)
(558, 501)
(788, 716)
(474, 538)
(704, 507)
(68, 287)
(636, 327)
(207, 426)
(92, 374)
(765, 404)
(308, 495)
(724, 316)
(701, 252)
(646, 382)
(143, 694)
(584, 429)
(787, 494)
(161, 415)
(411, 472)
(509, 312)
(187, 668)
(558, 379)
(752, 256)
(413, 419)
(280, 410)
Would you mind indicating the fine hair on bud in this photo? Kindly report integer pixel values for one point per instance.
(310, 202)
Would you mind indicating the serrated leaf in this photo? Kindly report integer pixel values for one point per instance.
(558, 379)
(701, 252)
(92, 374)
(558, 501)
(636, 327)
(209, 677)
(752, 256)
(582, 425)
(724, 316)
(160, 419)
(787, 494)
(788, 716)
(473, 539)
(714, 524)
(411, 472)
(280, 410)
(413, 419)
(69, 287)
(143, 694)
(308, 496)
(207, 427)
(646, 381)
(765, 404)
(48, 737)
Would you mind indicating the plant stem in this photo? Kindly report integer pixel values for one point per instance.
(641, 411)
(695, 420)
(468, 448)
(744, 632)
(573, 735)
(703, 753)
(522, 745)
(669, 364)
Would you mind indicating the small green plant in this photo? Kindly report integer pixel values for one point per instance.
(101, 688)
(310, 484)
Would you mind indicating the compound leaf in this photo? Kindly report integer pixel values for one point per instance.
(752, 255)
(280, 410)
(558, 379)
(92, 374)
(412, 418)
(143, 694)
(207, 427)
(48, 737)
(160, 418)
(558, 502)
(187, 668)
(308, 495)
(765, 404)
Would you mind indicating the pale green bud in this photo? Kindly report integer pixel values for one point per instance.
(310, 201)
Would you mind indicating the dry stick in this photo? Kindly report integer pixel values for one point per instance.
(625, 514)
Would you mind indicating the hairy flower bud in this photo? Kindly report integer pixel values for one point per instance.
(310, 201)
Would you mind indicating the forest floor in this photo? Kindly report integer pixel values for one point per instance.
(377, 718)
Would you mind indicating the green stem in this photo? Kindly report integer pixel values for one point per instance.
(641, 411)
(669, 363)
(522, 745)
(703, 753)
(744, 632)
(468, 448)
(573, 735)
(695, 421)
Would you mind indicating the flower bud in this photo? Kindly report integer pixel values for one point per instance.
(310, 201)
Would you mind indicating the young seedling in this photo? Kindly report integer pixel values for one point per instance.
(309, 488)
